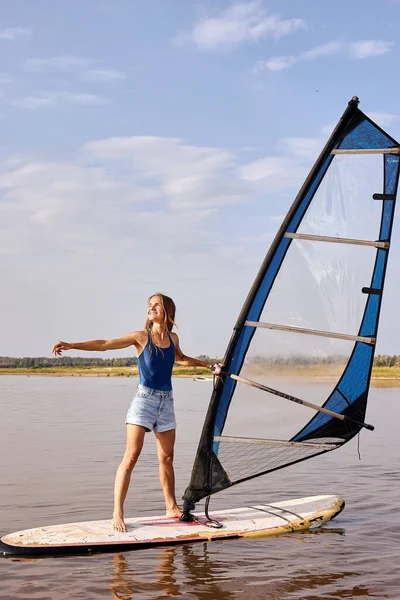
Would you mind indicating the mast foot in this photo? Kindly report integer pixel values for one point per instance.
(186, 515)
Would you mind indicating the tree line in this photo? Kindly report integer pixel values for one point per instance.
(9, 362)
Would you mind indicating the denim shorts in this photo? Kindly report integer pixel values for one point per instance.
(152, 409)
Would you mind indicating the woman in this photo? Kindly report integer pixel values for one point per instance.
(152, 407)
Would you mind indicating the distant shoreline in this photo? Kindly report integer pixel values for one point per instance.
(380, 375)
(98, 371)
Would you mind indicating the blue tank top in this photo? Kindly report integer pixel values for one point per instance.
(155, 365)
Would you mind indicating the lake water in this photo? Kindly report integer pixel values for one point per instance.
(61, 442)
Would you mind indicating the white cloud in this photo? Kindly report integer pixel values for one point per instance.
(307, 149)
(276, 63)
(188, 175)
(240, 23)
(355, 50)
(103, 75)
(328, 49)
(85, 69)
(84, 99)
(94, 221)
(383, 119)
(84, 207)
(58, 63)
(128, 216)
(158, 155)
(14, 32)
(88, 207)
(49, 99)
(275, 173)
(370, 48)
(129, 190)
(34, 102)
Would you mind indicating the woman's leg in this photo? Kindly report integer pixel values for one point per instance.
(165, 449)
(134, 444)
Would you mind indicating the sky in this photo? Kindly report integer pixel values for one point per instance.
(156, 146)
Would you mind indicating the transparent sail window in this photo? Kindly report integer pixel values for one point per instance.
(343, 205)
(319, 286)
(305, 367)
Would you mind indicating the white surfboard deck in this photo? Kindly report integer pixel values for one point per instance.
(97, 536)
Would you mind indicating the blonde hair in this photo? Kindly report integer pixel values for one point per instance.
(169, 312)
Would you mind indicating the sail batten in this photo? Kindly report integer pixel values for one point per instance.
(337, 240)
(333, 292)
(303, 330)
(395, 150)
(281, 394)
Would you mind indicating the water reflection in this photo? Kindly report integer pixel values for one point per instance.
(205, 575)
(125, 584)
(219, 571)
(170, 580)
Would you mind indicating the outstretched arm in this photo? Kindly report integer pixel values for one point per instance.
(132, 339)
(188, 361)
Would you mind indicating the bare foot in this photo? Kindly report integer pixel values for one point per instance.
(175, 511)
(118, 524)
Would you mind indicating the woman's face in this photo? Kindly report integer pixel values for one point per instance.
(155, 311)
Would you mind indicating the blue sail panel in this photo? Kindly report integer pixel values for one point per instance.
(391, 167)
(353, 384)
(366, 136)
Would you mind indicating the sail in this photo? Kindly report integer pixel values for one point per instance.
(315, 303)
